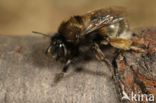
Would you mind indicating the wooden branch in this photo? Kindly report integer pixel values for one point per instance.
(26, 73)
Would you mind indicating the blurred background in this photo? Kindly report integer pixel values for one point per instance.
(20, 17)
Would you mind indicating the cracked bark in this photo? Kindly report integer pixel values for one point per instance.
(136, 72)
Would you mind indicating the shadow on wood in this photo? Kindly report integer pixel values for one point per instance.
(26, 75)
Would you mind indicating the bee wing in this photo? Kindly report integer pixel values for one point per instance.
(99, 23)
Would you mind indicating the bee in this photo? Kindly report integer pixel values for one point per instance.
(99, 27)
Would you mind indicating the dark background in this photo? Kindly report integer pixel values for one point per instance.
(20, 17)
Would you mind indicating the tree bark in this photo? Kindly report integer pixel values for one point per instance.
(135, 72)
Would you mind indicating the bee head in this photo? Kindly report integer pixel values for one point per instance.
(57, 47)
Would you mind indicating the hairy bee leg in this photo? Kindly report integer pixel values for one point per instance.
(126, 44)
(65, 68)
(101, 57)
(138, 47)
(120, 43)
(60, 76)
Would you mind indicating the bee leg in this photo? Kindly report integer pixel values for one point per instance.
(138, 47)
(101, 57)
(60, 76)
(126, 44)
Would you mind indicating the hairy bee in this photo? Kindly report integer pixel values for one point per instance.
(95, 28)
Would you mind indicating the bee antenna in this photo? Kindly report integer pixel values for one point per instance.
(41, 33)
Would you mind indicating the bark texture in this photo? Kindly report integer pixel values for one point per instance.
(136, 72)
